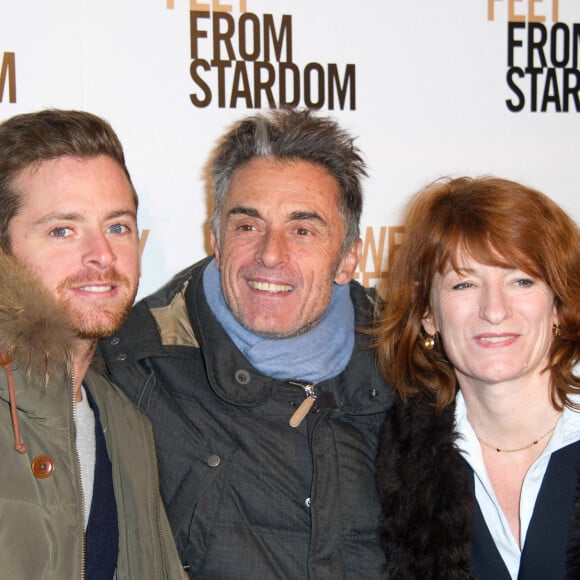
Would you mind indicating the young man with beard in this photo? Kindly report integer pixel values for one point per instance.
(264, 396)
(78, 491)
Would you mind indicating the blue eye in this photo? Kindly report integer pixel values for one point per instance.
(60, 232)
(118, 229)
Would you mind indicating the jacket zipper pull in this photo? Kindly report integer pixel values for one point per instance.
(304, 407)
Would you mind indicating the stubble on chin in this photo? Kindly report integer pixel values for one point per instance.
(98, 323)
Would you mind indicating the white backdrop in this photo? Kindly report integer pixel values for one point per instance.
(430, 87)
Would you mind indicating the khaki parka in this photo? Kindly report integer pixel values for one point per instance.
(41, 504)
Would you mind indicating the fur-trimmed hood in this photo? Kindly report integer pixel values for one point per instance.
(34, 331)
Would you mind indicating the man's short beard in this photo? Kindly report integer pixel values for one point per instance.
(101, 320)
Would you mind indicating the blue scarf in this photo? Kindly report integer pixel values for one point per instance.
(321, 353)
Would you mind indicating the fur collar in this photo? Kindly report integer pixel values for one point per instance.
(34, 332)
(424, 490)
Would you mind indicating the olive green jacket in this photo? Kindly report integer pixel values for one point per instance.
(41, 502)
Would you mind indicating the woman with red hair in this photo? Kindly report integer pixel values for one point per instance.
(479, 461)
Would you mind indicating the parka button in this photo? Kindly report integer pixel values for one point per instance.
(42, 467)
(121, 357)
(115, 340)
(373, 393)
(213, 460)
(242, 377)
(307, 502)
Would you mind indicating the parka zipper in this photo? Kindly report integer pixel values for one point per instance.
(305, 406)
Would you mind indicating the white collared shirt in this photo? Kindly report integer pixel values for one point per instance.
(567, 431)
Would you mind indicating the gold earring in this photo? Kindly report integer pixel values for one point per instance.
(429, 343)
(556, 329)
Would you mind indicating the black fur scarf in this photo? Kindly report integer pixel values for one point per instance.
(423, 487)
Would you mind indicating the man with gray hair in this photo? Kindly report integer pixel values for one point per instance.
(265, 400)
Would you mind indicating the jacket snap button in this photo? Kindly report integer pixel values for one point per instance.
(42, 466)
(373, 393)
(213, 460)
(121, 357)
(115, 341)
(242, 377)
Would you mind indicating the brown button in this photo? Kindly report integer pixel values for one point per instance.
(42, 466)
